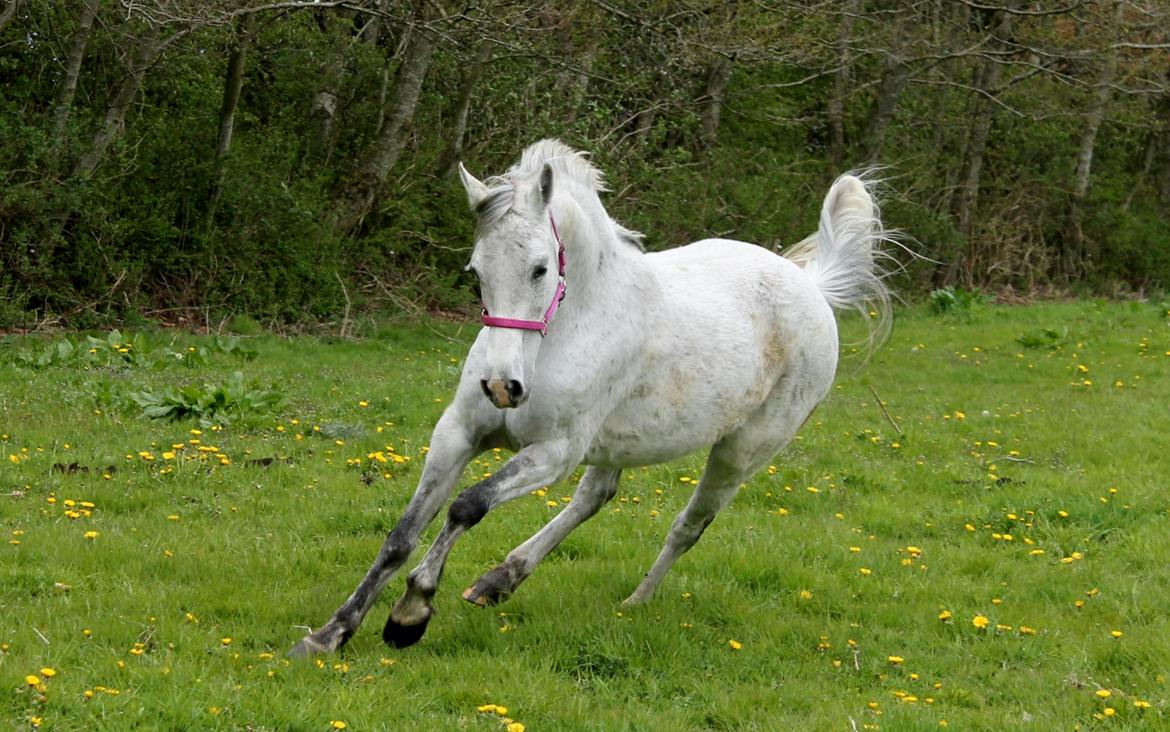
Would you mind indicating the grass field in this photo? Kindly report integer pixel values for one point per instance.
(998, 560)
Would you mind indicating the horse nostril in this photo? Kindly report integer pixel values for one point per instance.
(515, 390)
(486, 391)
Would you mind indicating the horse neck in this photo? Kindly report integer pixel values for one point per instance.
(598, 264)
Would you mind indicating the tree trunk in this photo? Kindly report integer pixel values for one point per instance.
(233, 84)
(573, 86)
(7, 13)
(836, 106)
(467, 84)
(986, 81)
(885, 104)
(646, 117)
(114, 121)
(323, 108)
(1076, 249)
(357, 199)
(64, 102)
(1162, 145)
(718, 77)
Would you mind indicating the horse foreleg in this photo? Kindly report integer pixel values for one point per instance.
(532, 467)
(596, 488)
(450, 451)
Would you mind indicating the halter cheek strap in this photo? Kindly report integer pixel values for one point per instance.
(542, 324)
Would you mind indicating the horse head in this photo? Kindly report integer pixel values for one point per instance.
(518, 260)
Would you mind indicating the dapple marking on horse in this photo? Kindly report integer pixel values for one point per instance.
(650, 357)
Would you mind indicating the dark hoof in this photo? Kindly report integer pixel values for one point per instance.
(403, 636)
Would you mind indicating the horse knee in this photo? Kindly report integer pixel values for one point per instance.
(398, 547)
(468, 509)
(687, 532)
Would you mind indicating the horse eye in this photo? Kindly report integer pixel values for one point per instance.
(539, 271)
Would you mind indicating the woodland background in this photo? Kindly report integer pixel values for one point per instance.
(292, 162)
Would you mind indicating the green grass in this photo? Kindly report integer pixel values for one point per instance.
(997, 439)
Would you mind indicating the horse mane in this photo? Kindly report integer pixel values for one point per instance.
(569, 165)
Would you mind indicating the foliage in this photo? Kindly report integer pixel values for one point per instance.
(174, 223)
(1043, 338)
(118, 351)
(955, 300)
(207, 404)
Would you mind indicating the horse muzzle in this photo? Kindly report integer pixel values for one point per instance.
(504, 394)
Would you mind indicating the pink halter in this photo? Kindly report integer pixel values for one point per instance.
(542, 324)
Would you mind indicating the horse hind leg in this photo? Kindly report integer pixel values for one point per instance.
(596, 488)
(716, 488)
(732, 460)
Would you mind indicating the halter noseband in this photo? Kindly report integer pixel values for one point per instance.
(542, 324)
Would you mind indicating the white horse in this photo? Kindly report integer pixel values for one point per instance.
(651, 357)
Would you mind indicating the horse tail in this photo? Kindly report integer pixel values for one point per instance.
(845, 257)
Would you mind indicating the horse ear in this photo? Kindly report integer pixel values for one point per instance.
(546, 184)
(533, 194)
(476, 190)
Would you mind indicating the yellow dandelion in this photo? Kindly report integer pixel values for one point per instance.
(734, 644)
(32, 680)
(1103, 693)
(338, 724)
(895, 660)
(91, 535)
(980, 621)
(945, 616)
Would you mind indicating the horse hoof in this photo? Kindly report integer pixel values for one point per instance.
(304, 649)
(402, 636)
(326, 640)
(484, 594)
